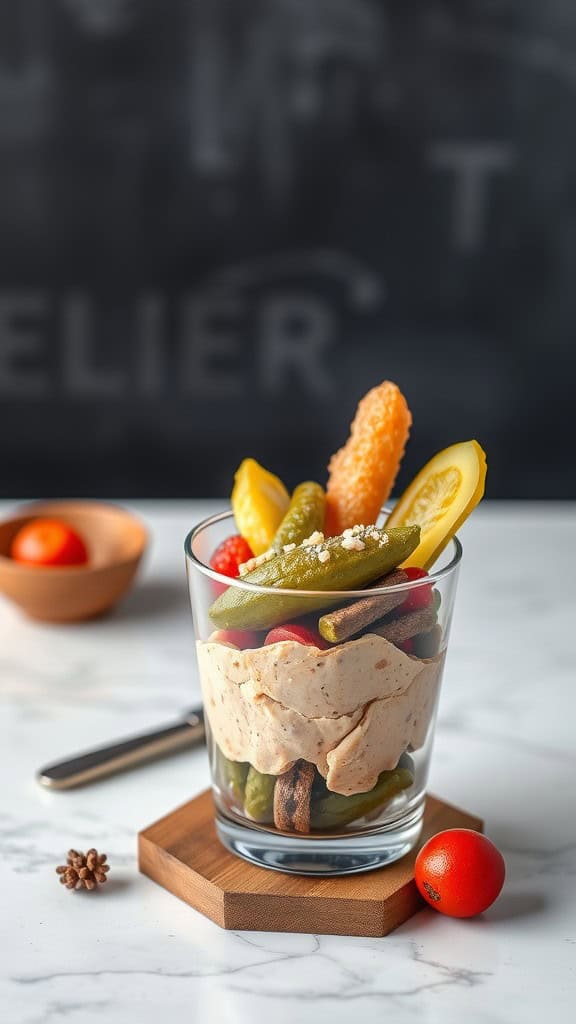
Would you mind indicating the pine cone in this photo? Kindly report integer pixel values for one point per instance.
(83, 871)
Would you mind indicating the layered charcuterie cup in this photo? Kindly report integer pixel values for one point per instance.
(320, 704)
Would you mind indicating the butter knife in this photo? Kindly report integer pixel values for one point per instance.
(80, 769)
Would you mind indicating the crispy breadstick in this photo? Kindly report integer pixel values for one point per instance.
(292, 798)
(362, 473)
(407, 626)
(345, 622)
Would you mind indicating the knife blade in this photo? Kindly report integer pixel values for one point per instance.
(83, 768)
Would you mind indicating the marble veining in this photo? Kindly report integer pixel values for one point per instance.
(504, 748)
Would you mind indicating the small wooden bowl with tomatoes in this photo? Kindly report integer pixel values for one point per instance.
(64, 561)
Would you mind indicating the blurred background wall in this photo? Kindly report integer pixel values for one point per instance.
(222, 220)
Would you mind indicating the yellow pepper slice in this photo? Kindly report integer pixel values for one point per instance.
(259, 503)
(440, 498)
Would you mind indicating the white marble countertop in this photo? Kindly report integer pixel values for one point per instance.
(132, 953)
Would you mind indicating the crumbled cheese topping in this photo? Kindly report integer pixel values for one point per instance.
(363, 533)
(357, 531)
(323, 555)
(314, 539)
(353, 544)
(254, 563)
(288, 547)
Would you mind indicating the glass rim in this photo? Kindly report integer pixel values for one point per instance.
(258, 588)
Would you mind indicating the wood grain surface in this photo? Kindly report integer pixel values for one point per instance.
(184, 855)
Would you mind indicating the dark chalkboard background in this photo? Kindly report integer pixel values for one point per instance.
(222, 220)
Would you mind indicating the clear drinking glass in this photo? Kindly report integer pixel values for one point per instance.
(319, 758)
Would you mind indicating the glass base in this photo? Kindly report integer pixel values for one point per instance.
(339, 855)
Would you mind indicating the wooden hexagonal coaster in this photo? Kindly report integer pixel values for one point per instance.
(184, 855)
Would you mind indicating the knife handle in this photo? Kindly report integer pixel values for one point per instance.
(102, 761)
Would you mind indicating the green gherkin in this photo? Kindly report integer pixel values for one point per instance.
(305, 515)
(259, 796)
(335, 810)
(232, 775)
(302, 569)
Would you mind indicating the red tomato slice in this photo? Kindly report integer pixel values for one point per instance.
(420, 597)
(242, 638)
(293, 631)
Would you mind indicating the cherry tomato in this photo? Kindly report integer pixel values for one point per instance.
(459, 872)
(48, 542)
(227, 559)
(230, 555)
(294, 631)
(242, 638)
(420, 597)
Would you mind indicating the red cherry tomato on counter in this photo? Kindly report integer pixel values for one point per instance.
(48, 542)
(459, 872)
(420, 597)
(293, 631)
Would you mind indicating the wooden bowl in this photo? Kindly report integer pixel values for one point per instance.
(116, 541)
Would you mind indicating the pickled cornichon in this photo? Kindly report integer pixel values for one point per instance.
(335, 810)
(259, 796)
(339, 563)
(233, 776)
(305, 515)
